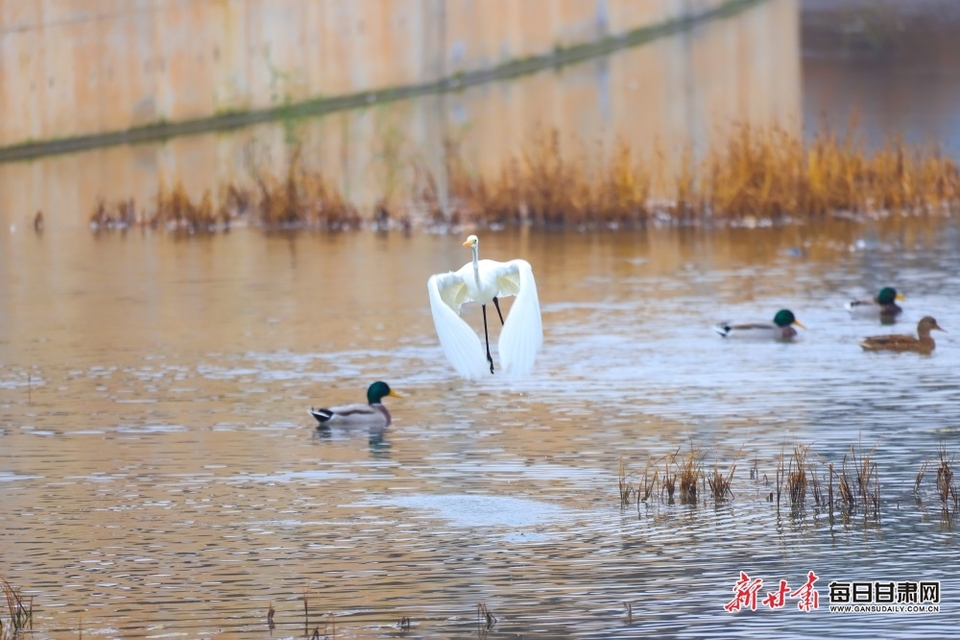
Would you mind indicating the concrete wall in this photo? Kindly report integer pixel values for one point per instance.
(82, 67)
(689, 87)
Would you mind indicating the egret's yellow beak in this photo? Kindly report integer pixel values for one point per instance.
(395, 394)
(799, 324)
(467, 243)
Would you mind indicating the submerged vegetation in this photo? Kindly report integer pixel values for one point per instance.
(753, 177)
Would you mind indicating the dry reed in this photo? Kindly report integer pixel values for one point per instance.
(624, 483)
(669, 485)
(19, 609)
(298, 198)
(689, 470)
(648, 484)
(920, 474)
(756, 175)
(946, 489)
(302, 199)
(818, 498)
(721, 486)
(851, 486)
(797, 477)
(485, 617)
(753, 176)
(306, 609)
(858, 483)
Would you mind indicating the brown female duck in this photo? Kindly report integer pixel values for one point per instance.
(923, 344)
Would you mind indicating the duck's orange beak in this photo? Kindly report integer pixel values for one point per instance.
(899, 297)
(799, 324)
(395, 394)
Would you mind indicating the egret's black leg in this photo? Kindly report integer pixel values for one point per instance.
(496, 303)
(486, 336)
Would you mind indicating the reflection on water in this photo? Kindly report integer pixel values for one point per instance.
(161, 474)
(890, 64)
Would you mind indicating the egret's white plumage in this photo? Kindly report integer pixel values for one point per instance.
(483, 281)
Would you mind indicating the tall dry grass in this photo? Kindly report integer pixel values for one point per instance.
(20, 610)
(295, 198)
(754, 176)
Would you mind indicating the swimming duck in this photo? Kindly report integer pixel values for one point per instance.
(923, 344)
(780, 329)
(373, 414)
(884, 304)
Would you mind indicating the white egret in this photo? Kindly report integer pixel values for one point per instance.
(372, 414)
(780, 329)
(484, 281)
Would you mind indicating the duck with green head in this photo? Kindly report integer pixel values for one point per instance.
(924, 343)
(780, 329)
(883, 305)
(372, 414)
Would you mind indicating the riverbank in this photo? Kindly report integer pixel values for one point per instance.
(757, 176)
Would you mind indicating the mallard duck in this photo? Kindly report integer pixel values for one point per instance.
(373, 414)
(486, 281)
(780, 329)
(897, 342)
(883, 305)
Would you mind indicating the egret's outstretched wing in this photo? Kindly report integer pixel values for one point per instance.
(522, 334)
(460, 343)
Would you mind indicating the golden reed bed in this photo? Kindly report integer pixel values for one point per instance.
(756, 176)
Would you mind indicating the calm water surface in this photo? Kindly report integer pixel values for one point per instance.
(161, 477)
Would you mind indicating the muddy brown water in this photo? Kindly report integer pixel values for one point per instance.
(161, 477)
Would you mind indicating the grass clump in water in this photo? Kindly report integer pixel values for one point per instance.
(946, 489)
(297, 198)
(174, 211)
(720, 485)
(624, 484)
(20, 611)
(301, 199)
(689, 471)
(798, 477)
(485, 617)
